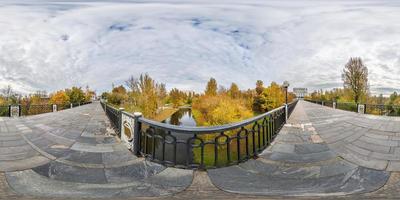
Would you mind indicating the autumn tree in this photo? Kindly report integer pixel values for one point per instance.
(273, 97)
(145, 94)
(2, 100)
(76, 95)
(177, 97)
(118, 95)
(211, 88)
(59, 98)
(89, 94)
(7, 92)
(259, 87)
(234, 91)
(258, 100)
(218, 110)
(355, 78)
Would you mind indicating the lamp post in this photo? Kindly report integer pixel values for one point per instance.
(286, 86)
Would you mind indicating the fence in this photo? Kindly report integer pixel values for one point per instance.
(26, 110)
(375, 109)
(198, 147)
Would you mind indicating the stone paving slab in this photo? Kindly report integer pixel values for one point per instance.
(233, 179)
(74, 153)
(166, 183)
(321, 151)
(16, 165)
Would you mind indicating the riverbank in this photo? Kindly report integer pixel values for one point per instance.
(165, 114)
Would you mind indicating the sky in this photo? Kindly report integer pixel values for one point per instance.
(52, 45)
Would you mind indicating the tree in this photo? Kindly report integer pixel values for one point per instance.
(105, 95)
(177, 98)
(89, 94)
(211, 88)
(234, 91)
(355, 78)
(59, 98)
(273, 97)
(145, 94)
(259, 87)
(258, 100)
(76, 95)
(118, 95)
(218, 110)
(7, 92)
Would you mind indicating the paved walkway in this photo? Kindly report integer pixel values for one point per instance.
(320, 152)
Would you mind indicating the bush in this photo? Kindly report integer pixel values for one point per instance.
(219, 110)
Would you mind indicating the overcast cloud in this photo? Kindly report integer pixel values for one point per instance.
(51, 45)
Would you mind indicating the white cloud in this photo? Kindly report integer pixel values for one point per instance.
(52, 45)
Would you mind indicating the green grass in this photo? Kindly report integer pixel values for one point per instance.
(222, 147)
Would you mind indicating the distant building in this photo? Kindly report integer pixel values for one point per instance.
(300, 92)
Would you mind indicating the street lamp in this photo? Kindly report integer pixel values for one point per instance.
(286, 86)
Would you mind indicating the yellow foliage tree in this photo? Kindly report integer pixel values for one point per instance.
(218, 110)
(60, 98)
(274, 97)
(2, 101)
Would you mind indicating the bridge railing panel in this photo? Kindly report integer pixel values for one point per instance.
(198, 147)
(4, 111)
(380, 109)
(374, 109)
(35, 109)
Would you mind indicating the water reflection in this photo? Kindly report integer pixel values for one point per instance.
(183, 117)
(179, 153)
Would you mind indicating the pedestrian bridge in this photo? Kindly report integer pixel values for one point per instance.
(320, 151)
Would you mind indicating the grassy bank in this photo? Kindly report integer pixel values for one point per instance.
(165, 114)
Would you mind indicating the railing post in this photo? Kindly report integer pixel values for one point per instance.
(136, 133)
(54, 108)
(360, 108)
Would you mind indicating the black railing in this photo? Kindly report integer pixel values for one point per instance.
(203, 147)
(374, 109)
(291, 107)
(352, 107)
(26, 110)
(35, 109)
(115, 117)
(4, 111)
(388, 110)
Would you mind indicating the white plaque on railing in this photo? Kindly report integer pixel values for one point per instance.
(14, 111)
(361, 108)
(127, 135)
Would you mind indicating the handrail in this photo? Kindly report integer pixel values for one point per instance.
(207, 129)
(376, 109)
(198, 147)
(34, 109)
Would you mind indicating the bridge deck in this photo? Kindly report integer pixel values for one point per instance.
(320, 152)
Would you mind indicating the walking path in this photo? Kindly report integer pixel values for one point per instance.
(320, 152)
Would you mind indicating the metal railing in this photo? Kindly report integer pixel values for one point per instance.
(35, 109)
(374, 109)
(26, 110)
(4, 111)
(387, 110)
(352, 107)
(114, 115)
(199, 147)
